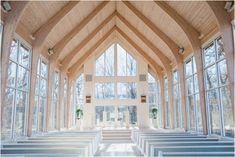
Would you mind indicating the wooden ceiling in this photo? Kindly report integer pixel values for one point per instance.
(146, 24)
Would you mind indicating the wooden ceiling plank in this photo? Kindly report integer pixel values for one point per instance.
(76, 66)
(56, 18)
(66, 39)
(169, 42)
(165, 61)
(187, 27)
(65, 62)
(156, 66)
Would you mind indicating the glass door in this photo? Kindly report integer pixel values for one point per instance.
(122, 116)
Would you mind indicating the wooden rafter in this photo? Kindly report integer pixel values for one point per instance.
(65, 62)
(49, 25)
(169, 42)
(187, 27)
(67, 38)
(165, 61)
(193, 37)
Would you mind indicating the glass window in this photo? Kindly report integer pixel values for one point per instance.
(126, 64)
(55, 99)
(217, 94)
(104, 90)
(65, 111)
(17, 91)
(105, 63)
(39, 113)
(177, 102)
(194, 119)
(154, 98)
(166, 100)
(126, 90)
(117, 63)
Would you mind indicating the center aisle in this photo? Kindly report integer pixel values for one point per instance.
(117, 143)
(116, 148)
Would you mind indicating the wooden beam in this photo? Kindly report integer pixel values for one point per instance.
(49, 25)
(10, 22)
(169, 42)
(65, 62)
(165, 61)
(40, 38)
(223, 20)
(59, 46)
(193, 37)
(76, 66)
(156, 66)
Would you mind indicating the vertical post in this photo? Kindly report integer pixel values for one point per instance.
(161, 84)
(142, 109)
(49, 99)
(170, 98)
(182, 94)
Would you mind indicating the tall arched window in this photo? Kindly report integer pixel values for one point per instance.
(115, 84)
(115, 55)
(125, 66)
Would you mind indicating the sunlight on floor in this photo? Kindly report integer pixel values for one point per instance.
(118, 149)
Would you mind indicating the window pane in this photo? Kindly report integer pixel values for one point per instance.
(109, 90)
(122, 91)
(99, 110)
(131, 66)
(209, 55)
(220, 48)
(35, 114)
(24, 56)
(7, 121)
(211, 77)
(13, 53)
(175, 77)
(223, 75)
(104, 90)
(127, 90)
(195, 84)
(109, 61)
(132, 115)
(43, 87)
(131, 90)
(199, 115)
(228, 111)
(191, 113)
(214, 111)
(121, 60)
(44, 69)
(188, 68)
(189, 86)
(21, 104)
(99, 66)
(11, 74)
(41, 114)
(23, 79)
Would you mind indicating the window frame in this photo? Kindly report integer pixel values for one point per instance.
(20, 41)
(217, 88)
